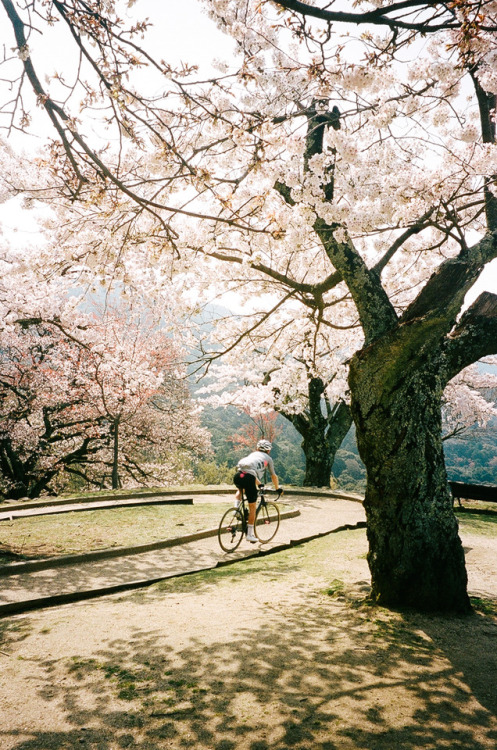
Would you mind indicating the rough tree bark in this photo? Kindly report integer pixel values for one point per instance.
(323, 428)
(415, 554)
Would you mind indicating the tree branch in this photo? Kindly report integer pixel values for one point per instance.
(486, 105)
(443, 294)
(474, 337)
(380, 16)
(376, 312)
(64, 125)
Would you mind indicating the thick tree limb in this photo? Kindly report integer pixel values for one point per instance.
(486, 105)
(474, 337)
(339, 425)
(376, 312)
(443, 294)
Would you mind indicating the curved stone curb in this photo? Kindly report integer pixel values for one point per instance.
(32, 566)
(29, 605)
(49, 510)
(107, 497)
(15, 505)
(11, 511)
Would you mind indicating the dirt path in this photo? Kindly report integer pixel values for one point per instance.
(316, 516)
(280, 652)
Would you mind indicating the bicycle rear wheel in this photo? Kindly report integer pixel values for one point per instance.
(230, 530)
(267, 522)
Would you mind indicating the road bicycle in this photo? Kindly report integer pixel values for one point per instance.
(234, 522)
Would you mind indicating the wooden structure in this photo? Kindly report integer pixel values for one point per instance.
(462, 491)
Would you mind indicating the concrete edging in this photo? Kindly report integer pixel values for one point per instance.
(105, 554)
(52, 510)
(220, 490)
(152, 498)
(29, 605)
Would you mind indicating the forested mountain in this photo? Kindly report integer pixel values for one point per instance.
(225, 423)
(472, 457)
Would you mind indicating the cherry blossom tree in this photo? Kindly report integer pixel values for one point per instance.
(261, 425)
(407, 360)
(68, 411)
(295, 367)
(127, 390)
(469, 401)
(90, 395)
(46, 427)
(354, 175)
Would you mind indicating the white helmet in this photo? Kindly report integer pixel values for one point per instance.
(264, 445)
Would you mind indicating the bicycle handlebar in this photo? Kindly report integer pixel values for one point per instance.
(263, 488)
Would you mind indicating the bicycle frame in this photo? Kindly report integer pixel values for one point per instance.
(261, 501)
(234, 523)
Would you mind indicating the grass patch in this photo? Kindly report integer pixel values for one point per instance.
(71, 533)
(479, 506)
(477, 524)
(484, 606)
(320, 558)
(335, 588)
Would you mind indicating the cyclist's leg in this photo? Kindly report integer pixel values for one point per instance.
(245, 483)
(250, 487)
(238, 482)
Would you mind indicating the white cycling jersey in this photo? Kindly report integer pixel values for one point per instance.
(256, 464)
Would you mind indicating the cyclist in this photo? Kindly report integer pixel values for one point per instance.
(250, 473)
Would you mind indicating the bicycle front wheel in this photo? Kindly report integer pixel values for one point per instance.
(230, 530)
(267, 522)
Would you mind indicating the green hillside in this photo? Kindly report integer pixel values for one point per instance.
(469, 458)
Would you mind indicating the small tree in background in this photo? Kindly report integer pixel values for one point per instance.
(260, 426)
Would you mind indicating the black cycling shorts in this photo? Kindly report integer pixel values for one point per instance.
(246, 482)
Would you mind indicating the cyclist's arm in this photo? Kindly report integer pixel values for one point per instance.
(275, 481)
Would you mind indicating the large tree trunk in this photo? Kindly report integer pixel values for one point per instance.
(318, 461)
(415, 554)
(323, 427)
(13, 471)
(321, 443)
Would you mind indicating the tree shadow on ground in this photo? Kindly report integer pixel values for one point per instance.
(469, 643)
(13, 631)
(331, 673)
